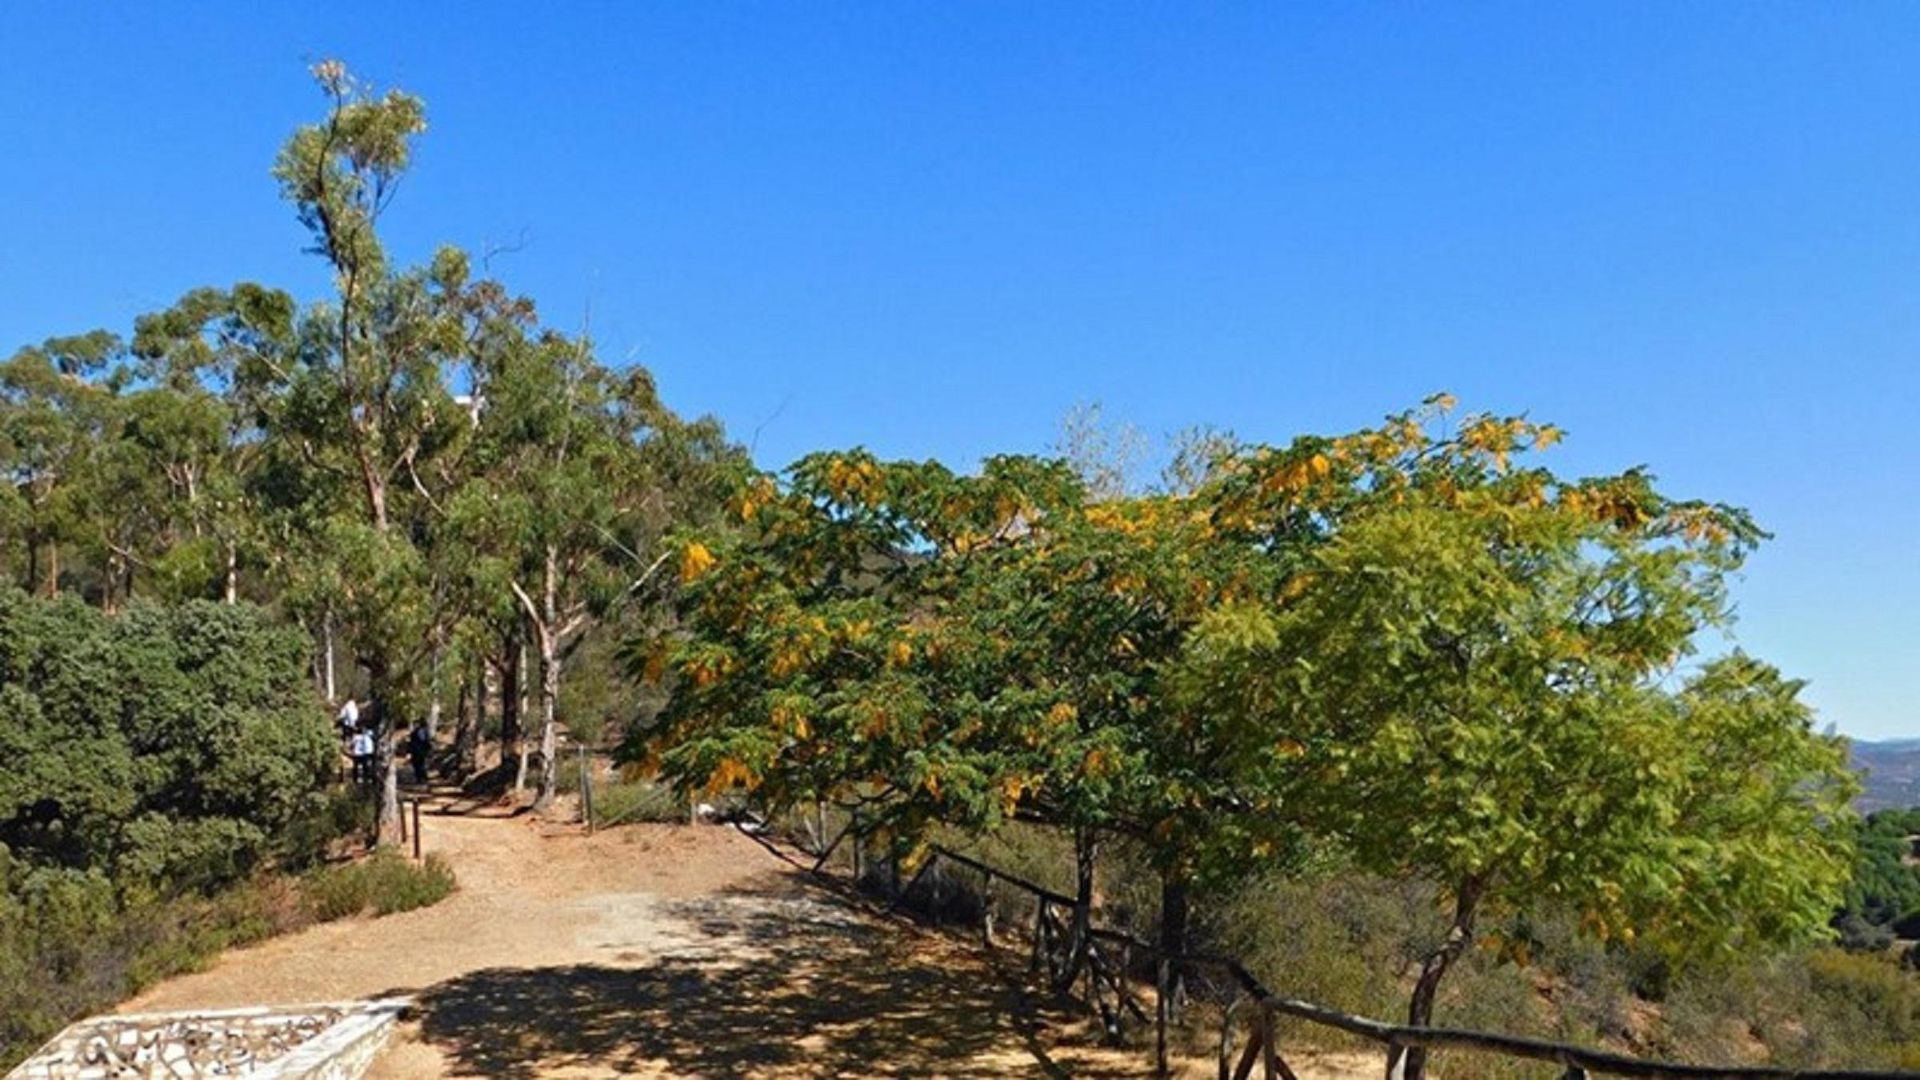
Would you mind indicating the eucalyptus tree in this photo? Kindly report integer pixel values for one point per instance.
(364, 404)
(579, 473)
(57, 407)
(194, 434)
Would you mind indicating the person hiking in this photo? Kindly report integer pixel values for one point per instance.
(419, 745)
(362, 752)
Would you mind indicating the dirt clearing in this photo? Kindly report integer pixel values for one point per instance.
(657, 951)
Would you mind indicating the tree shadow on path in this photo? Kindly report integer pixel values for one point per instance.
(790, 987)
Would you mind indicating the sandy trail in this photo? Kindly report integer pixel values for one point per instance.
(659, 951)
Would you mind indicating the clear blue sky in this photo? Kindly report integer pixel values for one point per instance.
(1690, 234)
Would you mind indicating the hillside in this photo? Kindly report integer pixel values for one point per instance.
(1892, 772)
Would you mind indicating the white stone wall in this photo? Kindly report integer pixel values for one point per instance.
(327, 1041)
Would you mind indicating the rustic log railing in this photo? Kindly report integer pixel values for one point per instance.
(1110, 957)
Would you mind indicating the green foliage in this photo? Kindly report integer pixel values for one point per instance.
(174, 748)
(384, 883)
(625, 801)
(1886, 881)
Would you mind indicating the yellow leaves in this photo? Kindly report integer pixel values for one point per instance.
(1063, 713)
(900, 653)
(729, 774)
(1098, 762)
(1295, 587)
(791, 721)
(1319, 465)
(695, 561)
(1012, 787)
(1290, 748)
(1546, 435)
(848, 480)
(788, 659)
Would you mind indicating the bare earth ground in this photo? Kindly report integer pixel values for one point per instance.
(664, 951)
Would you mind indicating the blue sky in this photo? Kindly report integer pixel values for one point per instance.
(1689, 234)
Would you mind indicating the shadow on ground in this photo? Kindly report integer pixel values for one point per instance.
(792, 987)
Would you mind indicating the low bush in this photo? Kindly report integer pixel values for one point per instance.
(69, 946)
(384, 884)
(624, 801)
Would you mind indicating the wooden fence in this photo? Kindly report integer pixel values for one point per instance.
(1111, 957)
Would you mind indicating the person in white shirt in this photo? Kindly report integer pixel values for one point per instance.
(349, 717)
(363, 757)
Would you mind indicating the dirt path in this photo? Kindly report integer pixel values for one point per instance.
(656, 951)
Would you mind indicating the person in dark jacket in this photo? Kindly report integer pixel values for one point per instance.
(419, 745)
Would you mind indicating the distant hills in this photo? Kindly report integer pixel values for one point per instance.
(1892, 771)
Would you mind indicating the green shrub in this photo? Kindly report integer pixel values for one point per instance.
(70, 946)
(384, 883)
(625, 801)
(167, 746)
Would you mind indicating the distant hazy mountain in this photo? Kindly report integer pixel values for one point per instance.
(1892, 770)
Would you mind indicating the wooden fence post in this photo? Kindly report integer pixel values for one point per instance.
(586, 787)
(1160, 1006)
(416, 829)
(1269, 1054)
(1226, 1038)
(1039, 934)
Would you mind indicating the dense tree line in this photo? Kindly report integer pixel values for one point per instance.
(1408, 644)
(1883, 900)
(444, 492)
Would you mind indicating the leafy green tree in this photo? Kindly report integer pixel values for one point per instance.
(170, 747)
(935, 648)
(1475, 681)
(580, 471)
(365, 402)
(195, 437)
(56, 409)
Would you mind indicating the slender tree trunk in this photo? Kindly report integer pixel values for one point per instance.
(466, 740)
(433, 692)
(462, 727)
(546, 632)
(549, 737)
(1176, 918)
(108, 581)
(1411, 1063)
(231, 590)
(326, 634)
(522, 686)
(1086, 843)
(53, 569)
(387, 818)
(510, 703)
(376, 489)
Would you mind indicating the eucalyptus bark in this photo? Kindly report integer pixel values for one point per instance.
(387, 818)
(522, 684)
(510, 701)
(470, 722)
(547, 632)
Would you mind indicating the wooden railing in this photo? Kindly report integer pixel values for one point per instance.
(1110, 957)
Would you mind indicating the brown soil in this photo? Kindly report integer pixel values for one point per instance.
(665, 951)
